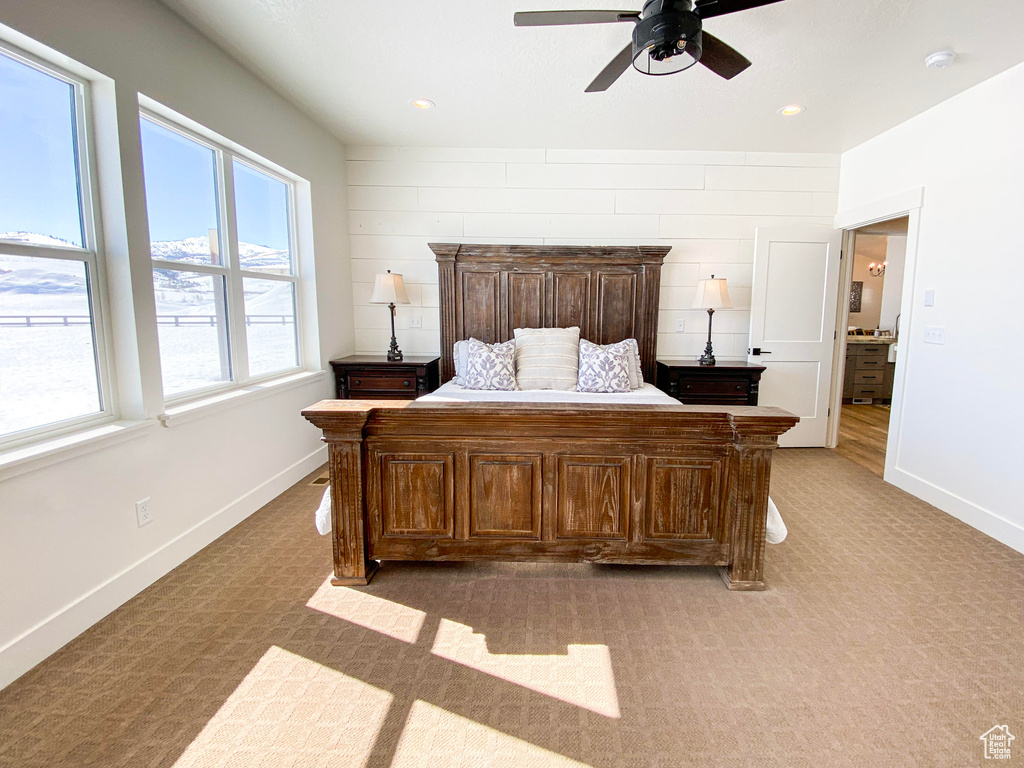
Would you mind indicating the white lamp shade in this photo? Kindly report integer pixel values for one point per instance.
(712, 294)
(389, 288)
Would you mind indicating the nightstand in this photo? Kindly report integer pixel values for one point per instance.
(374, 377)
(727, 383)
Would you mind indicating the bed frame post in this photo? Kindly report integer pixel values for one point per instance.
(751, 468)
(343, 433)
(352, 566)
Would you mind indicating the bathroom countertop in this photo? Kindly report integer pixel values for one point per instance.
(870, 340)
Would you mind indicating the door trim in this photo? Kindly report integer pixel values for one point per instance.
(910, 204)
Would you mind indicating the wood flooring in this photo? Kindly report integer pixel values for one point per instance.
(863, 431)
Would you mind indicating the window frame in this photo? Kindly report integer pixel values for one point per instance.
(92, 254)
(230, 268)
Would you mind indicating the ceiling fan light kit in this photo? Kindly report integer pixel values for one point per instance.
(668, 37)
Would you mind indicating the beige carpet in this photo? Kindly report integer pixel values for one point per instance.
(891, 635)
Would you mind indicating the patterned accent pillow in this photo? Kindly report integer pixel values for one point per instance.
(547, 358)
(635, 370)
(490, 366)
(603, 369)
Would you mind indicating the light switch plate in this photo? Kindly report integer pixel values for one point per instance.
(934, 334)
(680, 324)
(929, 297)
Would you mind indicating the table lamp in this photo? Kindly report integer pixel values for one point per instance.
(390, 289)
(711, 295)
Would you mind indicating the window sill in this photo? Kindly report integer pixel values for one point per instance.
(42, 454)
(206, 406)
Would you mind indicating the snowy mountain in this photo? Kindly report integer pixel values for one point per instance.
(19, 275)
(196, 250)
(37, 239)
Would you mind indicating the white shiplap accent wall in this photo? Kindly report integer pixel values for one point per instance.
(706, 205)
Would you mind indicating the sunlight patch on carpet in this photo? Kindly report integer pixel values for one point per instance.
(376, 613)
(434, 736)
(583, 677)
(277, 712)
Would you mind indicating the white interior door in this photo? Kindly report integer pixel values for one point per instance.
(792, 324)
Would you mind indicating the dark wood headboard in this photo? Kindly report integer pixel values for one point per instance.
(611, 293)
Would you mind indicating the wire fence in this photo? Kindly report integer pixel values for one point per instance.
(178, 321)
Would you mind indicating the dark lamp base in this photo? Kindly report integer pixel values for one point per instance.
(394, 353)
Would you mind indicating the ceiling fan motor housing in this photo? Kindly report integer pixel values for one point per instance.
(667, 39)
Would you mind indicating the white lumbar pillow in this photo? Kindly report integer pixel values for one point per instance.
(547, 358)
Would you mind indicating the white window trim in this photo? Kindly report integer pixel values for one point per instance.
(92, 254)
(226, 153)
(195, 409)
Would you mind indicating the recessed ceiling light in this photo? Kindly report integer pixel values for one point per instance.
(939, 59)
(422, 103)
(791, 109)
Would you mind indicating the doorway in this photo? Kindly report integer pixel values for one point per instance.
(868, 332)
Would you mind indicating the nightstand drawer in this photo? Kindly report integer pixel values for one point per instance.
(728, 383)
(374, 381)
(720, 387)
(374, 377)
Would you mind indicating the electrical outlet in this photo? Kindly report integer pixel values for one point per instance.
(934, 334)
(416, 321)
(144, 511)
(680, 324)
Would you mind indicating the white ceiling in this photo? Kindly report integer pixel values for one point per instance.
(858, 66)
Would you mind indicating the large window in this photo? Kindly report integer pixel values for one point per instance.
(224, 274)
(52, 353)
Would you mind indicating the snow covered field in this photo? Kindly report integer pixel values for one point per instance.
(48, 371)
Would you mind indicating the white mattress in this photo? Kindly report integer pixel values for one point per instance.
(451, 392)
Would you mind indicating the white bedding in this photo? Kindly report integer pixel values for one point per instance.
(648, 394)
(450, 392)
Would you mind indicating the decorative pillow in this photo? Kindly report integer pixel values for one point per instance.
(490, 366)
(603, 369)
(547, 358)
(632, 350)
(460, 353)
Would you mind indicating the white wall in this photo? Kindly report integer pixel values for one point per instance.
(892, 289)
(962, 415)
(70, 548)
(868, 249)
(704, 204)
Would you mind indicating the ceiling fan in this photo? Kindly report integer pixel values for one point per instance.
(668, 37)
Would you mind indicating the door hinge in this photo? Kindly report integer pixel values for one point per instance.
(829, 411)
(835, 335)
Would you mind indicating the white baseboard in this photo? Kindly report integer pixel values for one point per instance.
(54, 632)
(1002, 530)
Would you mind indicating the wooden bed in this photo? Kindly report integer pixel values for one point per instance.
(651, 484)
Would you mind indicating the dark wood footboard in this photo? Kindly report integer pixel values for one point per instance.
(662, 484)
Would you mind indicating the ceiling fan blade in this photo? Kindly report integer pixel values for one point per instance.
(720, 58)
(613, 71)
(556, 18)
(708, 8)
